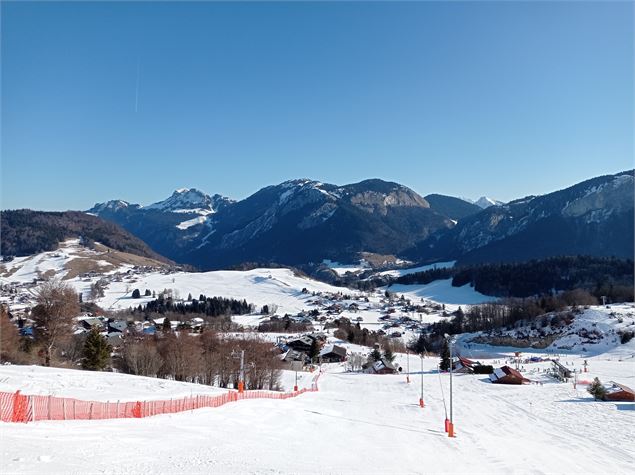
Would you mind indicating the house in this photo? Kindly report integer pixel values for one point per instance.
(92, 322)
(381, 366)
(301, 344)
(463, 365)
(117, 326)
(333, 354)
(507, 375)
(114, 339)
(294, 359)
(618, 392)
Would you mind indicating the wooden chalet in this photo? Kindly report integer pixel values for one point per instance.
(507, 375)
(333, 354)
(619, 392)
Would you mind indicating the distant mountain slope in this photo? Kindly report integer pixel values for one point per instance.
(303, 221)
(165, 225)
(485, 202)
(454, 208)
(26, 232)
(594, 217)
(295, 222)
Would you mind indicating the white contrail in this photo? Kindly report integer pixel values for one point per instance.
(136, 97)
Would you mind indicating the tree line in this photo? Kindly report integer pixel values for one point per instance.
(543, 311)
(601, 276)
(210, 306)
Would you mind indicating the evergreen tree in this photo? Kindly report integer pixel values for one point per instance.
(189, 297)
(147, 293)
(314, 351)
(389, 355)
(597, 390)
(445, 356)
(166, 325)
(136, 294)
(96, 352)
(375, 355)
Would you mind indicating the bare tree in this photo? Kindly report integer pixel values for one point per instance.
(53, 315)
(9, 337)
(141, 357)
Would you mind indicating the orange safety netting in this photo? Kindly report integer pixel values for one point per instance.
(17, 407)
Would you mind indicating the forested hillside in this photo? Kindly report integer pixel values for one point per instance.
(26, 232)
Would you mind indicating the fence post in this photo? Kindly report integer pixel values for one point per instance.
(90, 412)
(48, 407)
(74, 412)
(64, 409)
(117, 408)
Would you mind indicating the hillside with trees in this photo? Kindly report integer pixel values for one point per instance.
(26, 232)
(609, 277)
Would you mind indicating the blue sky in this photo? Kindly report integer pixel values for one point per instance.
(497, 98)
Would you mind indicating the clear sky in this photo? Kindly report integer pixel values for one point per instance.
(133, 100)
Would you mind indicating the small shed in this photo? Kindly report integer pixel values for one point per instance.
(507, 375)
(619, 392)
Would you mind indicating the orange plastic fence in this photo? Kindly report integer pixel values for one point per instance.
(16, 407)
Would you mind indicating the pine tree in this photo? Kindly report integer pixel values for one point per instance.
(136, 294)
(389, 355)
(167, 326)
(445, 356)
(147, 293)
(375, 355)
(597, 390)
(314, 351)
(96, 353)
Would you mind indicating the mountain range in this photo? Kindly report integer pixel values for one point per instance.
(302, 222)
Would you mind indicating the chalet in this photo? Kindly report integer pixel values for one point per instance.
(91, 322)
(618, 392)
(381, 366)
(507, 375)
(333, 354)
(117, 326)
(463, 365)
(301, 344)
(294, 355)
(318, 336)
(114, 339)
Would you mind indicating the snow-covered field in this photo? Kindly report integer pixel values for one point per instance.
(357, 423)
(443, 292)
(259, 286)
(95, 386)
(412, 270)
